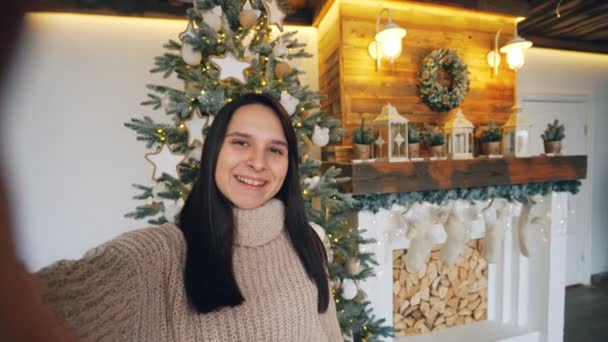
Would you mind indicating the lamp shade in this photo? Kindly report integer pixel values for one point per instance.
(390, 39)
(515, 50)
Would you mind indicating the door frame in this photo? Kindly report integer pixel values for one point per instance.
(585, 98)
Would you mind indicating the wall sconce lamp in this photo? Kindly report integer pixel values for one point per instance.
(387, 43)
(515, 50)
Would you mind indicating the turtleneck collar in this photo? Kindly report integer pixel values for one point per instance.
(258, 226)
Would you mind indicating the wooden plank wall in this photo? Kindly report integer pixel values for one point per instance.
(363, 90)
(330, 62)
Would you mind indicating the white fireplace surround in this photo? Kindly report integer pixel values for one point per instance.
(525, 294)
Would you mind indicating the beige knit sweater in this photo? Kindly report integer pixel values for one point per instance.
(132, 289)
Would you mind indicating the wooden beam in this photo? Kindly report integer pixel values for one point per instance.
(600, 21)
(596, 35)
(565, 44)
(585, 23)
(573, 15)
(387, 177)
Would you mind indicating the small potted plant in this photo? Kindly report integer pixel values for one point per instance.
(413, 141)
(435, 139)
(552, 137)
(362, 140)
(490, 140)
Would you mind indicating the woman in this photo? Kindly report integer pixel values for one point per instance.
(243, 265)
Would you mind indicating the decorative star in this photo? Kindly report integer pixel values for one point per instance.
(230, 67)
(165, 161)
(195, 127)
(275, 14)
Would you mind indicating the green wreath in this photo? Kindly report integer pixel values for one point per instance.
(437, 96)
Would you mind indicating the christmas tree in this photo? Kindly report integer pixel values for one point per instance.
(227, 50)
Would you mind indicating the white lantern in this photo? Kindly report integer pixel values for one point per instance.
(459, 136)
(389, 130)
(516, 135)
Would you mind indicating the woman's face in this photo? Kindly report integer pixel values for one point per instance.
(253, 160)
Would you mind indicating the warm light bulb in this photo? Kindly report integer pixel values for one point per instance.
(390, 40)
(515, 58)
(391, 46)
(515, 50)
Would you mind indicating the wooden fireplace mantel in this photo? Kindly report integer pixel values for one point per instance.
(385, 177)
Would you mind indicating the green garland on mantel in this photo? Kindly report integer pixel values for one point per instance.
(514, 192)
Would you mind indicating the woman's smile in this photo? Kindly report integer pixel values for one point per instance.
(251, 182)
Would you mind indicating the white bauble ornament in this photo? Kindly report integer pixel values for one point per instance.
(279, 50)
(320, 136)
(190, 55)
(349, 289)
(172, 208)
(289, 103)
(319, 230)
(312, 182)
(330, 255)
(354, 266)
(213, 18)
(165, 101)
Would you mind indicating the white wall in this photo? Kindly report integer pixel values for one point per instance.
(555, 71)
(71, 162)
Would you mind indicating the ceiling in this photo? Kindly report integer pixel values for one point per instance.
(582, 25)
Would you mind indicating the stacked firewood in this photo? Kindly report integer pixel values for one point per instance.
(438, 296)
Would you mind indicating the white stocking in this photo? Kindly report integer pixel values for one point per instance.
(421, 243)
(456, 239)
(522, 225)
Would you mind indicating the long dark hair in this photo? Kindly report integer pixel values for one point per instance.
(208, 225)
